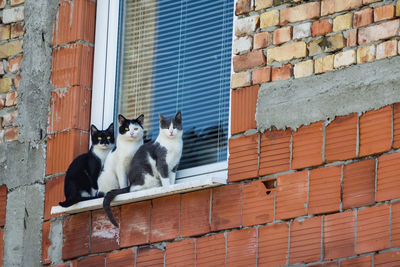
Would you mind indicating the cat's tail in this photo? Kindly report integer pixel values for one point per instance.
(107, 201)
(71, 201)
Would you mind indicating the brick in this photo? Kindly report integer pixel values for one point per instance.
(287, 52)
(181, 253)
(386, 259)
(2, 5)
(14, 64)
(150, 257)
(3, 205)
(366, 54)
(282, 73)
(258, 203)
(243, 6)
(261, 75)
(11, 134)
(282, 35)
(16, 2)
(242, 247)
(262, 40)
(381, 31)
(304, 69)
(397, 8)
(291, 196)
(2, 102)
(373, 229)
(339, 235)
(54, 194)
(241, 79)
(367, 2)
(275, 152)
(248, 61)
(2, 67)
(5, 85)
(395, 225)
(324, 264)
(5, 32)
(335, 42)
(246, 25)
(164, 218)
(345, 58)
(384, 12)
(135, 224)
(302, 30)
(375, 131)
(195, 213)
(121, 258)
(69, 109)
(226, 207)
(342, 22)
(76, 232)
(9, 118)
(95, 261)
(11, 99)
(269, 19)
(17, 30)
(307, 146)
(63, 147)
(321, 27)
(72, 65)
(243, 158)
(351, 37)
(316, 46)
(273, 245)
(300, 12)
(365, 261)
(363, 17)
(323, 64)
(242, 45)
(244, 109)
(13, 14)
(46, 242)
(262, 4)
(396, 125)
(387, 178)
(386, 49)
(210, 251)
(359, 184)
(1, 246)
(324, 194)
(17, 81)
(305, 240)
(104, 235)
(333, 6)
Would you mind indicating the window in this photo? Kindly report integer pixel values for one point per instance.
(163, 56)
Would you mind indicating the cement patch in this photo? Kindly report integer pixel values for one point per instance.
(359, 88)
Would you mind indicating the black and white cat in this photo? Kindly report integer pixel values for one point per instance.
(82, 174)
(116, 166)
(155, 163)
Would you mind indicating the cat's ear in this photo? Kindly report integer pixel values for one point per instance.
(121, 119)
(140, 119)
(161, 117)
(178, 116)
(93, 129)
(111, 128)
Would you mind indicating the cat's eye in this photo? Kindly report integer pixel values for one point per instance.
(174, 127)
(108, 137)
(136, 129)
(99, 138)
(126, 129)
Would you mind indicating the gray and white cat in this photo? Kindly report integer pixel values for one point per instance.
(117, 163)
(155, 163)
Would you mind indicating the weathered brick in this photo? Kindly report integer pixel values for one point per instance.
(243, 6)
(366, 54)
(282, 73)
(181, 253)
(261, 75)
(246, 25)
(397, 8)
(243, 153)
(273, 244)
(13, 14)
(304, 69)
(3, 205)
(243, 115)
(226, 207)
(17, 29)
(381, 31)
(300, 12)
(248, 61)
(9, 118)
(287, 52)
(76, 233)
(324, 64)
(363, 17)
(242, 45)
(269, 18)
(242, 247)
(345, 58)
(367, 2)
(321, 27)
(384, 12)
(5, 85)
(317, 46)
(351, 37)
(386, 49)
(387, 178)
(2, 102)
(282, 35)
(14, 64)
(104, 235)
(258, 203)
(262, 40)
(302, 30)
(46, 243)
(121, 258)
(210, 250)
(11, 99)
(333, 6)
(164, 218)
(335, 42)
(135, 224)
(16, 2)
(342, 22)
(262, 4)
(2, 5)
(241, 79)
(11, 134)
(10, 48)
(5, 32)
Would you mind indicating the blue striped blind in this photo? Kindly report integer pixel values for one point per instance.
(176, 55)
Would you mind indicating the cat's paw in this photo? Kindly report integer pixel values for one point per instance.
(165, 182)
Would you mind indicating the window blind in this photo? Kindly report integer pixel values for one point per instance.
(176, 55)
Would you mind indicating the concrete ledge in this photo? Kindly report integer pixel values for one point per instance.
(357, 88)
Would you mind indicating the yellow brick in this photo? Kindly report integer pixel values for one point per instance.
(270, 18)
(10, 49)
(366, 54)
(287, 52)
(261, 4)
(303, 69)
(342, 22)
(335, 42)
(345, 58)
(5, 85)
(324, 64)
(398, 8)
(4, 32)
(240, 79)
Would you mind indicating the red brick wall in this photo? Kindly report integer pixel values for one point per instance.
(324, 195)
